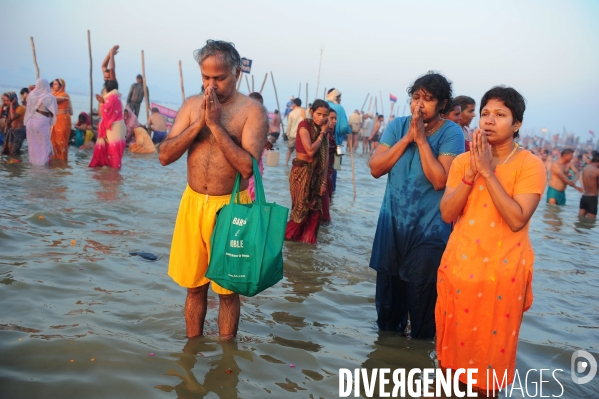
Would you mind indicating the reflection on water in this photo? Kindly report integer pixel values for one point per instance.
(223, 372)
(71, 291)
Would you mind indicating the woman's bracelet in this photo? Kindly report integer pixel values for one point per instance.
(467, 182)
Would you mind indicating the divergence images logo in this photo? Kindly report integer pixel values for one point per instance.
(579, 366)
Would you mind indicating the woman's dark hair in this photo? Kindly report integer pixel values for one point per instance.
(24, 90)
(510, 98)
(57, 81)
(331, 110)
(111, 85)
(82, 118)
(464, 101)
(437, 85)
(320, 104)
(230, 56)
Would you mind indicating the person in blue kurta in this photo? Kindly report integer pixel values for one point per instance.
(342, 128)
(416, 153)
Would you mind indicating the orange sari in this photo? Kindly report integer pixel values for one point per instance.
(484, 282)
(61, 131)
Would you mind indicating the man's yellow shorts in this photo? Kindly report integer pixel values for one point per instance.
(190, 250)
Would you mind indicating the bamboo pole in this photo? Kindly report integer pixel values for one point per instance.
(375, 105)
(324, 94)
(91, 84)
(366, 99)
(277, 98)
(382, 109)
(252, 83)
(264, 82)
(248, 83)
(181, 78)
(37, 69)
(239, 80)
(351, 155)
(306, 104)
(318, 81)
(369, 104)
(143, 72)
(299, 91)
(391, 110)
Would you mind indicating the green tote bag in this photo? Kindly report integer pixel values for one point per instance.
(247, 242)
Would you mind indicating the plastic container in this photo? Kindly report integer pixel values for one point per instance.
(337, 163)
(272, 157)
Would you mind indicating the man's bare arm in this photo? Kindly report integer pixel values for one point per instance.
(106, 61)
(555, 169)
(182, 133)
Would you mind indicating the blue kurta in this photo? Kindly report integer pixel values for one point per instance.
(342, 127)
(410, 235)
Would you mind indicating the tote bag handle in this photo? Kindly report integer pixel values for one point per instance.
(260, 197)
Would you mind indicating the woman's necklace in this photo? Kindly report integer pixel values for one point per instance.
(434, 128)
(511, 153)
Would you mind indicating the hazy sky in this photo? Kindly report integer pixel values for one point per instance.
(547, 50)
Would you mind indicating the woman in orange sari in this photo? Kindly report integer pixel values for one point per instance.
(61, 131)
(484, 279)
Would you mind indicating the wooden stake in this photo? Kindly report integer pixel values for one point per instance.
(91, 84)
(382, 109)
(351, 155)
(264, 82)
(252, 83)
(143, 72)
(277, 98)
(369, 104)
(318, 81)
(324, 94)
(181, 78)
(299, 91)
(239, 80)
(391, 110)
(366, 99)
(306, 104)
(37, 69)
(375, 105)
(248, 83)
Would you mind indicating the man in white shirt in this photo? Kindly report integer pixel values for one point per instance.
(367, 126)
(294, 118)
(355, 124)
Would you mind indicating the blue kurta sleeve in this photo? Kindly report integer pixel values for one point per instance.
(393, 132)
(453, 141)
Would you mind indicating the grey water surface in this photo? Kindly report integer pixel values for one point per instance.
(81, 318)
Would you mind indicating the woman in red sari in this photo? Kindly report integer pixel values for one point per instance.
(110, 145)
(308, 176)
(61, 131)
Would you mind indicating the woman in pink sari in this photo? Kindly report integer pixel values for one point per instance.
(110, 145)
(131, 123)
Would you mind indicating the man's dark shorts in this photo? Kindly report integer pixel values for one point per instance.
(589, 204)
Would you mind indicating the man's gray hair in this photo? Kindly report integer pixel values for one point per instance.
(229, 55)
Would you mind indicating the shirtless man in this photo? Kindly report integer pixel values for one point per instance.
(221, 130)
(590, 182)
(556, 192)
(110, 73)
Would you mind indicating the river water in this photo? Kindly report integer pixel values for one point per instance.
(82, 318)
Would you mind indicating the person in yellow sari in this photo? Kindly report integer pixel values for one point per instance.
(143, 143)
(61, 130)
